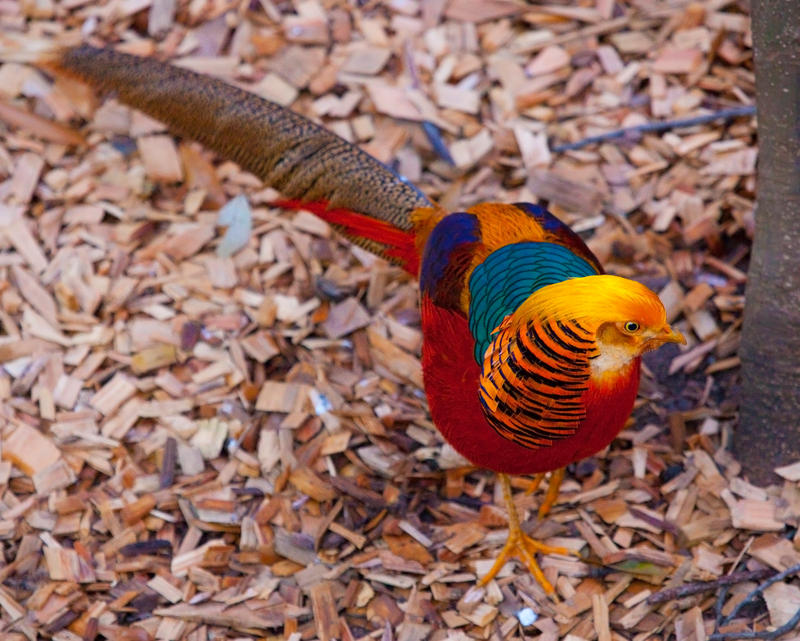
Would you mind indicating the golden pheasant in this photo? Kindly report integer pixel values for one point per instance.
(531, 354)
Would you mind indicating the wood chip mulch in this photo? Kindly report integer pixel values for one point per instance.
(203, 446)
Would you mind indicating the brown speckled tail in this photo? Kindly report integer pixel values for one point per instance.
(287, 151)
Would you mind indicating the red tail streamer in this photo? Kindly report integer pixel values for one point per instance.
(399, 243)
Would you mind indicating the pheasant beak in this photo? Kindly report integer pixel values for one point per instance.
(669, 335)
(665, 335)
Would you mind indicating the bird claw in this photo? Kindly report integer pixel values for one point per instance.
(520, 544)
(525, 548)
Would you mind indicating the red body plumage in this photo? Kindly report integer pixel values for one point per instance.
(457, 413)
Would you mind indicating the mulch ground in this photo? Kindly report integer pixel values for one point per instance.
(228, 439)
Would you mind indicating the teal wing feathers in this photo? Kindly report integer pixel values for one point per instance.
(503, 281)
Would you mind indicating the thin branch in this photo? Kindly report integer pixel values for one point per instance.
(759, 590)
(722, 597)
(761, 634)
(665, 125)
(756, 592)
(697, 587)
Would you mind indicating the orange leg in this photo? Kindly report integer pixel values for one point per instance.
(520, 544)
(552, 491)
(536, 481)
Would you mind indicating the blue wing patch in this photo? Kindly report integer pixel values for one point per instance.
(451, 232)
(544, 218)
(503, 281)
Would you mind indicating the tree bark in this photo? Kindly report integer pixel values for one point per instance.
(769, 430)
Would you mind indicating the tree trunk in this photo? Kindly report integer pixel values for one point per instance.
(769, 432)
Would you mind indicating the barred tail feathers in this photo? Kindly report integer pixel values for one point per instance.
(307, 163)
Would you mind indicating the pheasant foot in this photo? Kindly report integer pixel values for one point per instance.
(521, 545)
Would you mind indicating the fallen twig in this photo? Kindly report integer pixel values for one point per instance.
(760, 634)
(688, 589)
(757, 591)
(665, 125)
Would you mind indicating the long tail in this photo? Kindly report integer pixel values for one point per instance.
(304, 161)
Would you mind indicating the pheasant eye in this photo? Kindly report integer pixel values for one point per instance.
(631, 327)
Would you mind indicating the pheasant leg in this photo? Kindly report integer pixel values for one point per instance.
(520, 544)
(553, 487)
(552, 491)
(536, 481)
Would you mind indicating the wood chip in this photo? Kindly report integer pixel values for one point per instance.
(160, 157)
(113, 394)
(282, 397)
(29, 450)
